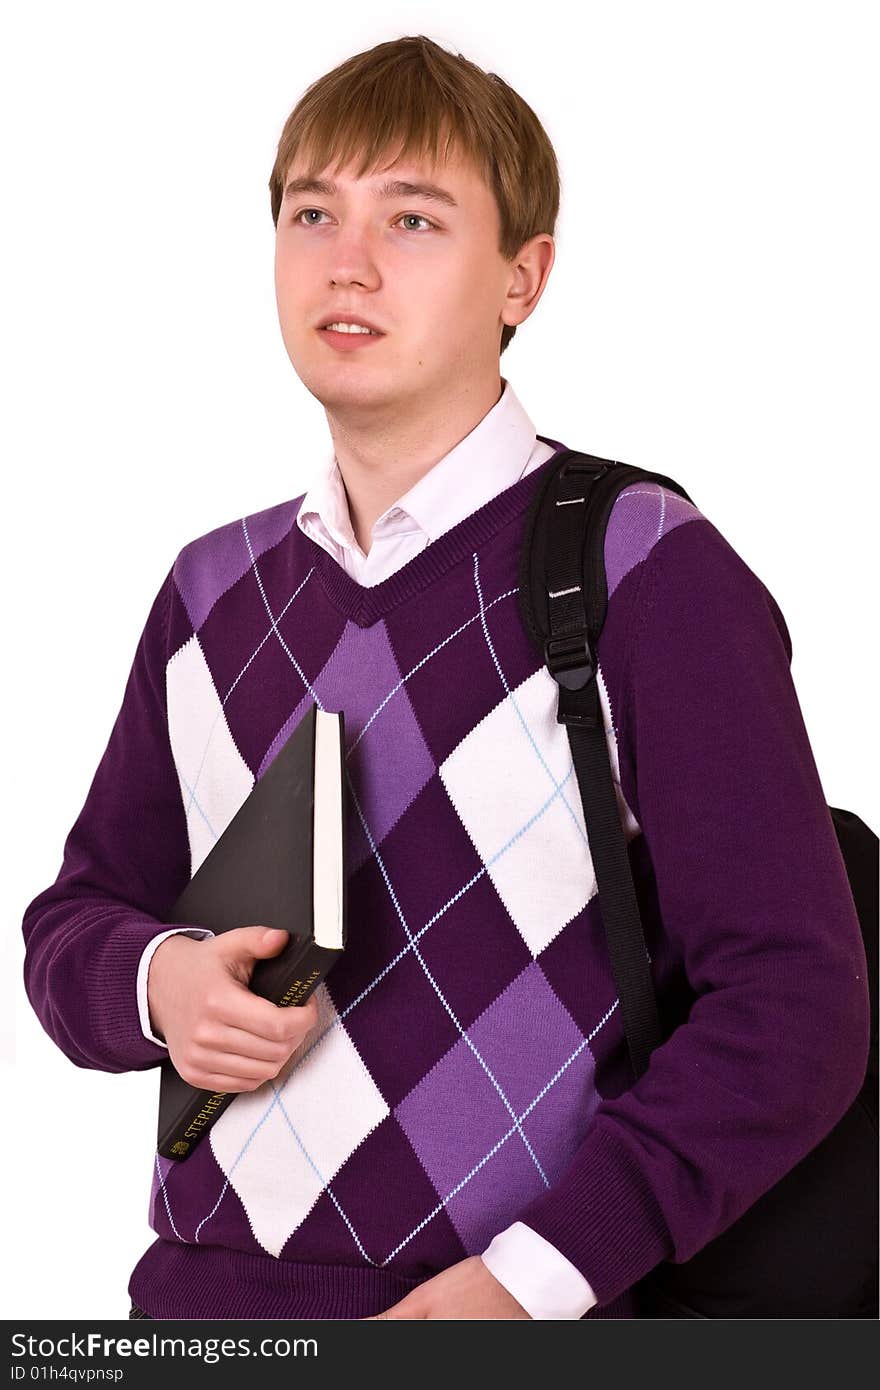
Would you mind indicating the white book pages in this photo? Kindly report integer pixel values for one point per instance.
(328, 831)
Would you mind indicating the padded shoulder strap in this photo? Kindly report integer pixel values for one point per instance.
(564, 544)
(563, 599)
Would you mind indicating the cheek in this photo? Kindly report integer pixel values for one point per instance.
(450, 299)
(283, 280)
(472, 290)
(293, 273)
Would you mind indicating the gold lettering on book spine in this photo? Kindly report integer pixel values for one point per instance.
(199, 1121)
(296, 991)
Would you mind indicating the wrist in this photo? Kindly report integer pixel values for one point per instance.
(164, 965)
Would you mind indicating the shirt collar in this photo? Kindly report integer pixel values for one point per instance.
(489, 459)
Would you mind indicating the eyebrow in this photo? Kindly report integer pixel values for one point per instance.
(393, 188)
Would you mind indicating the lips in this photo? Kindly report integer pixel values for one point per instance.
(338, 341)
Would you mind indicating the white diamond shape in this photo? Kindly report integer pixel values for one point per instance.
(205, 754)
(497, 781)
(332, 1103)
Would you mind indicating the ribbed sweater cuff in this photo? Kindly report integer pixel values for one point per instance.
(603, 1216)
(111, 994)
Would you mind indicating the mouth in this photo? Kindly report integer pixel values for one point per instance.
(348, 339)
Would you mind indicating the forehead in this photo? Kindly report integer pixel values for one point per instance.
(450, 182)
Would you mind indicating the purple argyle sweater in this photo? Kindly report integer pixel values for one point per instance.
(469, 1068)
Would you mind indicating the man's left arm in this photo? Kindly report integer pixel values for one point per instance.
(754, 900)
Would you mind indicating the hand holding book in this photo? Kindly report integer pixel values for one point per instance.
(220, 1035)
(237, 1005)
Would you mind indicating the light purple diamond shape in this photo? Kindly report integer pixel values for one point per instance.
(391, 761)
(456, 1115)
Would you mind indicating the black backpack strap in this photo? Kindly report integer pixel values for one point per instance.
(563, 599)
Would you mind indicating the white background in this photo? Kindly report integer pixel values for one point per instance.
(712, 314)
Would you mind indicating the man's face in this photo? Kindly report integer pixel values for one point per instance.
(425, 272)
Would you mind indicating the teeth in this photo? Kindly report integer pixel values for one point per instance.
(347, 328)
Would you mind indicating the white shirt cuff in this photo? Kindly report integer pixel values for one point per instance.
(538, 1275)
(144, 970)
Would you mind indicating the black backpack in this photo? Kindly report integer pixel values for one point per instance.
(808, 1246)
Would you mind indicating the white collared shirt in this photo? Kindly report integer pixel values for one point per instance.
(499, 451)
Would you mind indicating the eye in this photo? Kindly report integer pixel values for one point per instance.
(416, 215)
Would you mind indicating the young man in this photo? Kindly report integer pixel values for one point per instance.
(450, 1129)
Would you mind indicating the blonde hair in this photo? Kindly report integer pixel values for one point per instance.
(407, 95)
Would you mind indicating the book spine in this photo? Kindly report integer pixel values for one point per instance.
(204, 1108)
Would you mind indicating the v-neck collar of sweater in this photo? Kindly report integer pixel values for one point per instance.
(366, 605)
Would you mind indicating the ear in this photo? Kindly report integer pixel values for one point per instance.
(529, 272)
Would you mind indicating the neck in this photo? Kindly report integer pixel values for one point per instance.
(379, 461)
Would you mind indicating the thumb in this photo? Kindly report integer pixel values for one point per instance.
(254, 941)
(267, 941)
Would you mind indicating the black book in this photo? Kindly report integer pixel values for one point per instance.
(280, 862)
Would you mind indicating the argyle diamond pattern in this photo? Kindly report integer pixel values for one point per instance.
(451, 1075)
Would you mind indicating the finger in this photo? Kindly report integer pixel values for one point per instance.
(209, 1060)
(223, 1037)
(248, 1011)
(217, 1081)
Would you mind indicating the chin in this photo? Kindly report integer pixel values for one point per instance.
(340, 388)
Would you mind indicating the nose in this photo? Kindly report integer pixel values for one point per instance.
(352, 261)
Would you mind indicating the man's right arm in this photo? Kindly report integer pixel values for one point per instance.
(125, 861)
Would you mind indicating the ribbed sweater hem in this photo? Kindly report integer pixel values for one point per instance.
(172, 1280)
(110, 996)
(603, 1216)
